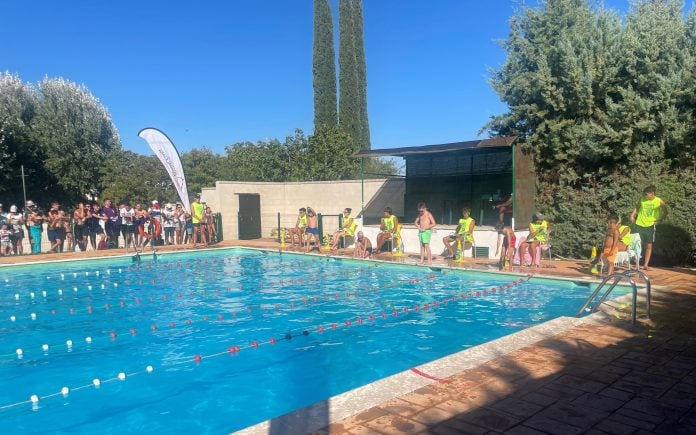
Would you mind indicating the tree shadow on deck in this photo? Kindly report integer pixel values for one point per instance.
(597, 377)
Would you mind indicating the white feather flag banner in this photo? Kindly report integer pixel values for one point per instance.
(169, 156)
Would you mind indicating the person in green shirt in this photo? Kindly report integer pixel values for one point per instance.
(649, 212)
(197, 218)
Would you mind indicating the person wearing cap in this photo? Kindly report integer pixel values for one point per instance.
(34, 218)
(197, 211)
(15, 221)
(538, 235)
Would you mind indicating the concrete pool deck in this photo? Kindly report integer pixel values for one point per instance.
(594, 375)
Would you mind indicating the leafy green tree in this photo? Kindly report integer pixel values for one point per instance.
(17, 105)
(361, 73)
(349, 101)
(330, 154)
(75, 134)
(202, 168)
(604, 107)
(135, 178)
(324, 66)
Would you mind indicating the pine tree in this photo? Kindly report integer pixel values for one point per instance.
(361, 72)
(324, 67)
(349, 101)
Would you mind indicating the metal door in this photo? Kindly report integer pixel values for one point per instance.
(249, 216)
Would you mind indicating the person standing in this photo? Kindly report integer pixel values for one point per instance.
(15, 222)
(112, 224)
(169, 225)
(34, 220)
(312, 230)
(79, 228)
(197, 219)
(649, 212)
(95, 219)
(425, 222)
(180, 221)
(128, 227)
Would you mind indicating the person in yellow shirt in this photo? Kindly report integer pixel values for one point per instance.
(649, 212)
(624, 237)
(197, 219)
(348, 227)
(388, 226)
(539, 230)
(464, 234)
(299, 229)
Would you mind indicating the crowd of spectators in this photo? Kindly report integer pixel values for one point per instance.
(104, 226)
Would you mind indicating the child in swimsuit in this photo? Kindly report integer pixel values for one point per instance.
(363, 247)
(312, 229)
(611, 245)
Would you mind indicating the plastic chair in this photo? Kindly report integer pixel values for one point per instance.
(623, 258)
(395, 242)
(528, 259)
(461, 250)
(346, 241)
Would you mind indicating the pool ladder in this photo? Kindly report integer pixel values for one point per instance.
(618, 277)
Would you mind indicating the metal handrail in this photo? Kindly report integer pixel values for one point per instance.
(618, 277)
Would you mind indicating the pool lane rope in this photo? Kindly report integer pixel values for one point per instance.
(360, 320)
(313, 301)
(35, 399)
(172, 296)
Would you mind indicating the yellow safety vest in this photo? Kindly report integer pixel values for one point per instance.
(626, 240)
(464, 225)
(649, 212)
(540, 230)
(303, 220)
(197, 211)
(389, 223)
(349, 226)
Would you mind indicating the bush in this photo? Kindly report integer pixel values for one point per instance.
(578, 215)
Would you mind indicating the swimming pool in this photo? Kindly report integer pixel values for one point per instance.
(219, 340)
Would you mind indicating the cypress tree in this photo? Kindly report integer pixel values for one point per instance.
(361, 72)
(324, 66)
(349, 101)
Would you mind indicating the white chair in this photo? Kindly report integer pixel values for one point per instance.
(623, 258)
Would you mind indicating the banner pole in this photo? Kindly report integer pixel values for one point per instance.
(24, 187)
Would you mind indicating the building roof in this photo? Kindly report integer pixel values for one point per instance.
(494, 142)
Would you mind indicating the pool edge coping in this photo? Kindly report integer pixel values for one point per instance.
(313, 417)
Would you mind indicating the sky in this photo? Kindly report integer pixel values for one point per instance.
(213, 73)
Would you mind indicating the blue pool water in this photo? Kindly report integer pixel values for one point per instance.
(164, 313)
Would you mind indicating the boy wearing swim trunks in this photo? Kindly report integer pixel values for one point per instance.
(425, 222)
(611, 245)
(312, 229)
